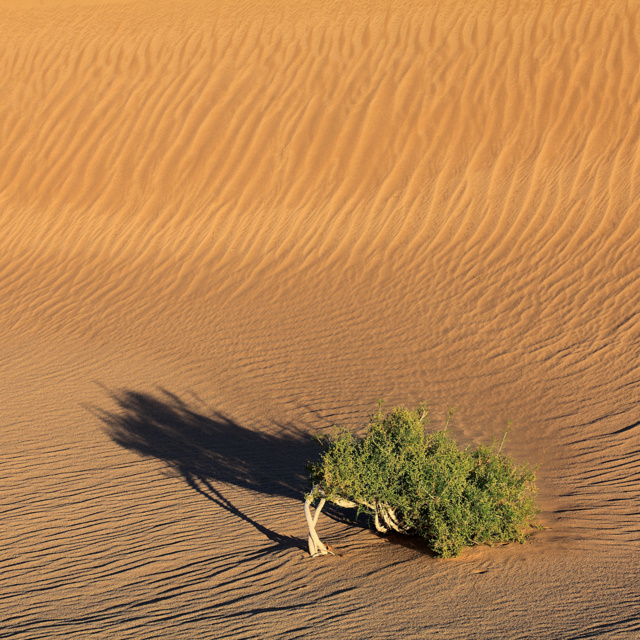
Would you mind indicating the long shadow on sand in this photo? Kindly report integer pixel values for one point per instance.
(209, 449)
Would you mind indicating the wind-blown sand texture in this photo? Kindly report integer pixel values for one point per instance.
(227, 226)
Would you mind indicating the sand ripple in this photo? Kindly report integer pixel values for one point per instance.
(246, 223)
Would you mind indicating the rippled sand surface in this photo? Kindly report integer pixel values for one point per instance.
(226, 227)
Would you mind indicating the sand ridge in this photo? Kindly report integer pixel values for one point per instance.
(227, 228)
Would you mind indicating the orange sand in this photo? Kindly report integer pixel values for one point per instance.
(228, 225)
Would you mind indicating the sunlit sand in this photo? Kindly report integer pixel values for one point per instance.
(226, 227)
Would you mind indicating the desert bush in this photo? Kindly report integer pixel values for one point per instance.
(423, 483)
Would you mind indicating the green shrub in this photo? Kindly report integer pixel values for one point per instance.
(423, 483)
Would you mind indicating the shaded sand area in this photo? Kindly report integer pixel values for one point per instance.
(227, 226)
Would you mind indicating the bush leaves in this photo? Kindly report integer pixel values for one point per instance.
(451, 497)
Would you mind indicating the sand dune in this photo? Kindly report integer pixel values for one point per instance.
(226, 228)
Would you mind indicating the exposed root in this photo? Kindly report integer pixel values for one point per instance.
(385, 519)
(385, 513)
(379, 526)
(347, 504)
(316, 547)
(392, 521)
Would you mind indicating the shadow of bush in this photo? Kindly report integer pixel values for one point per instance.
(209, 449)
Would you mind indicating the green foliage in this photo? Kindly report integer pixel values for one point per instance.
(451, 497)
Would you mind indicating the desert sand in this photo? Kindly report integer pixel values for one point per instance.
(228, 226)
